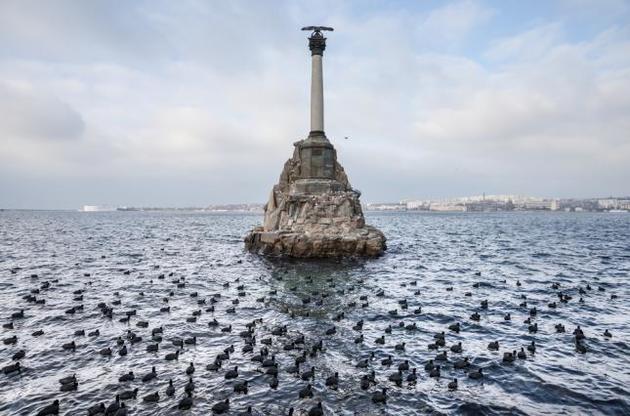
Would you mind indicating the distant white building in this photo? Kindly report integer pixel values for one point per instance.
(97, 208)
(446, 207)
(608, 203)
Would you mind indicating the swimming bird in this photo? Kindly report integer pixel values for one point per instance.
(18, 315)
(68, 379)
(333, 381)
(269, 362)
(170, 390)
(241, 387)
(69, 346)
(412, 377)
(316, 410)
(97, 409)
(509, 357)
(113, 407)
(460, 364)
(309, 374)
(532, 347)
(306, 392)
(186, 402)
(214, 366)
(128, 394)
(476, 375)
(149, 376)
(396, 377)
(190, 386)
(363, 363)
(230, 374)
(190, 369)
(51, 409)
(457, 348)
(69, 385)
(579, 333)
(12, 368)
(221, 407)
(380, 396)
(453, 385)
(152, 397)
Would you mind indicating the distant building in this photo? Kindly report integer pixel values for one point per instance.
(447, 207)
(417, 205)
(386, 207)
(536, 205)
(97, 208)
(608, 203)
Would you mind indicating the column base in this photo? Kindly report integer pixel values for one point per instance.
(317, 133)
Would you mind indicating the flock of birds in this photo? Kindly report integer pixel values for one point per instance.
(267, 346)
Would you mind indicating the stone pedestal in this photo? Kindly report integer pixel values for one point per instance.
(314, 217)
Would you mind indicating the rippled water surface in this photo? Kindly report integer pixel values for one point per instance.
(444, 264)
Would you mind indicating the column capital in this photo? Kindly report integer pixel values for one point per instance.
(317, 43)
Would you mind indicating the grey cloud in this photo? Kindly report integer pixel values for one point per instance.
(194, 102)
(28, 114)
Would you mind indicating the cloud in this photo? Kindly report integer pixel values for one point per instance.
(192, 103)
(28, 114)
(531, 44)
(561, 114)
(453, 21)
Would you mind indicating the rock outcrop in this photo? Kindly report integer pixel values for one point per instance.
(313, 211)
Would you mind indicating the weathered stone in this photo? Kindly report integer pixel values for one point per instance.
(325, 223)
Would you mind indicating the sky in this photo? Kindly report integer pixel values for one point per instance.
(191, 103)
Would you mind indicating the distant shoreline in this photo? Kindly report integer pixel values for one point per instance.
(377, 211)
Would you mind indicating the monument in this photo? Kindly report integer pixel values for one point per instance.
(313, 211)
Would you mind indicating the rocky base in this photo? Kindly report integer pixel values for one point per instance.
(361, 242)
(313, 212)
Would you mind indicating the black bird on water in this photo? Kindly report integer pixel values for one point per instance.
(221, 407)
(51, 409)
(380, 396)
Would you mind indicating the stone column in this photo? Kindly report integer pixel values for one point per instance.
(317, 95)
(317, 44)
